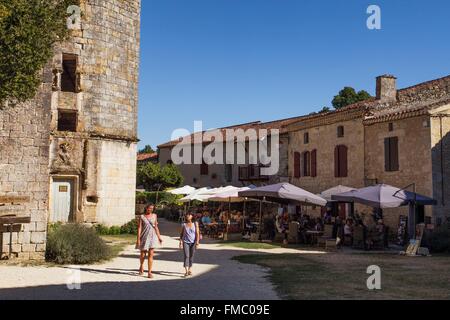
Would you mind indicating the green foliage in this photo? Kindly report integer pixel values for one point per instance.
(130, 227)
(440, 239)
(28, 31)
(169, 213)
(147, 149)
(154, 177)
(163, 197)
(348, 96)
(75, 244)
(324, 109)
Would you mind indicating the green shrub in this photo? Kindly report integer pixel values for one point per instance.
(130, 227)
(440, 239)
(76, 244)
(102, 229)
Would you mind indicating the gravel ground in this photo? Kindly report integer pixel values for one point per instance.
(216, 276)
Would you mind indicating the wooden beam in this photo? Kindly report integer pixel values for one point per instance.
(14, 220)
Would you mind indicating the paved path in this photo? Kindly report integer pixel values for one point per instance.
(216, 276)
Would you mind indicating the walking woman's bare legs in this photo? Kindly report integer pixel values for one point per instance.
(150, 262)
(141, 260)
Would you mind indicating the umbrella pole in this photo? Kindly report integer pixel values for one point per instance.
(243, 215)
(260, 220)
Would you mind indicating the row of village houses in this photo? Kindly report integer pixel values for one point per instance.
(400, 137)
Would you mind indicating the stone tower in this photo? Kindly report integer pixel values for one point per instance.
(93, 130)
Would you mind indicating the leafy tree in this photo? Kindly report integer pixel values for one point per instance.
(28, 31)
(348, 96)
(325, 109)
(171, 176)
(154, 177)
(147, 149)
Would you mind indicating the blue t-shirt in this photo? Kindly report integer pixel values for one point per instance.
(206, 220)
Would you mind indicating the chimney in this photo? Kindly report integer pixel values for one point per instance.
(387, 88)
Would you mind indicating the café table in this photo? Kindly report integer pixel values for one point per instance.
(314, 235)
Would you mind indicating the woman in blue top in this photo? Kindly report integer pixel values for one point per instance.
(189, 242)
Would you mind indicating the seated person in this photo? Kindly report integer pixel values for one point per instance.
(281, 227)
(206, 220)
(319, 225)
(348, 230)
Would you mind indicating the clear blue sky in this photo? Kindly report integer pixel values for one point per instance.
(233, 61)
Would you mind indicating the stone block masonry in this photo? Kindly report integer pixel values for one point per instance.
(24, 171)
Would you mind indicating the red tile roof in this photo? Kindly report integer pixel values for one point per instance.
(147, 156)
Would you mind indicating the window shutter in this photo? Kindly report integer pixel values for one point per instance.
(394, 154)
(343, 165)
(387, 155)
(296, 165)
(336, 161)
(314, 163)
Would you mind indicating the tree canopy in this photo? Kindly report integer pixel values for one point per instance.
(28, 31)
(154, 177)
(348, 96)
(147, 149)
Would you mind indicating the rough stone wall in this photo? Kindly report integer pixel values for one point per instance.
(414, 143)
(324, 139)
(440, 151)
(24, 160)
(217, 172)
(107, 49)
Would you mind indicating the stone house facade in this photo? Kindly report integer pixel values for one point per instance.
(216, 175)
(398, 138)
(76, 156)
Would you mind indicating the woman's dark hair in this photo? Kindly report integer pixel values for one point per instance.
(148, 206)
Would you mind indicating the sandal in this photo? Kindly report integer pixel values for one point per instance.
(190, 273)
(150, 276)
(141, 272)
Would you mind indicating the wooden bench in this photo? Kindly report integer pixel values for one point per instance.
(10, 218)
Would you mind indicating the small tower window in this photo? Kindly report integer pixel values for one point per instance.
(391, 126)
(67, 120)
(306, 138)
(340, 131)
(69, 73)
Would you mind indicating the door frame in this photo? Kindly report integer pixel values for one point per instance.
(74, 194)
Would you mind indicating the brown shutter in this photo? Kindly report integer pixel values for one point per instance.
(343, 167)
(296, 165)
(336, 161)
(387, 156)
(314, 163)
(393, 150)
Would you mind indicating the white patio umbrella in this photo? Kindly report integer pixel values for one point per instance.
(327, 194)
(183, 190)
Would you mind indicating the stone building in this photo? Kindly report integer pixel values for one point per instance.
(215, 175)
(400, 137)
(73, 148)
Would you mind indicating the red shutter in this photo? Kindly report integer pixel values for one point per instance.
(387, 155)
(336, 161)
(314, 163)
(343, 167)
(296, 165)
(393, 150)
